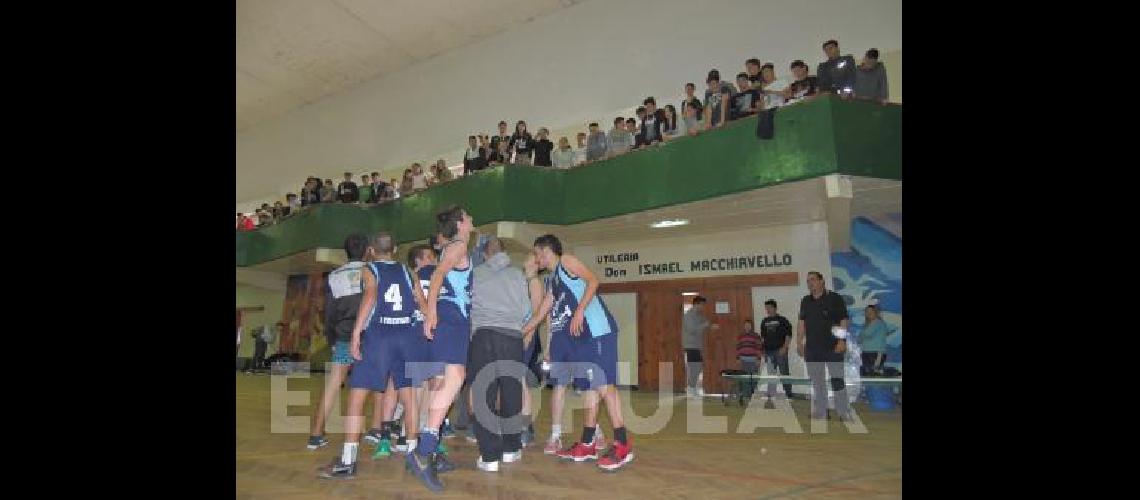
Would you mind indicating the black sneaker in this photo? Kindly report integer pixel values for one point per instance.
(337, 470)
(441, 464)
(317, 442)
(402, 444)
(373, 435)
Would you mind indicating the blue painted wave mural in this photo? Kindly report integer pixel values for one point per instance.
(871, 273)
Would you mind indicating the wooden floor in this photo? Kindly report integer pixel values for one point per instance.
(670, 463)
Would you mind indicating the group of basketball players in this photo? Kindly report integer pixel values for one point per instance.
(409, 338)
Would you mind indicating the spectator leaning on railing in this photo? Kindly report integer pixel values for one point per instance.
(596, 143)
(365, 189)
(475, 158)
(837, 73)
(619, 140)
(522, 143)
(805, 87)
(347, 191)
(542, 148)
(564, 157)
(580, 153)
(871, 79)
(652, 123)
(503, 136)
(717, 98)
(744, 102)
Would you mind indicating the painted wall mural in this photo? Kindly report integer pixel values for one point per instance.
(302, 314)
(871, 273)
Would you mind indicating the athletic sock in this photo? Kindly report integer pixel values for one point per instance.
(619, 435)
(399, 411)
(587, 435)
(348, 455)
(555, 430)
(429, 440)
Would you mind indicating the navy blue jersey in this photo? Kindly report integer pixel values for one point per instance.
(395, 302)
(567, 292)
(425, 279)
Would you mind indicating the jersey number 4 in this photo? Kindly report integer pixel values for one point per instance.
(394, 297)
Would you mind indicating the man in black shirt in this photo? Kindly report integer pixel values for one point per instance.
(805, 87)
(347, 191)
(475, 158)
(836, 74)
(775, 330)
(652, 122)
(542, 149)
(821, 342)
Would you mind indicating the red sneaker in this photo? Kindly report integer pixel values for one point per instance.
(579, 452)
(616, 457)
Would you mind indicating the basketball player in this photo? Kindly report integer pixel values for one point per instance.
(383, 350)
(341, 306)
(448, 326)
(579, 320)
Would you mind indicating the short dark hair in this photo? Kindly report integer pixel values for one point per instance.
(873, 53)
(770, 302)
(817, 274)
(714, 75)
(291, 195)
(383, 243)
(376, 173)
(416, 252)
(830, 42)
(752, 61)
(641, 109)
(470, 137)
(448, 220)
(769, 66)
(620, 119)
(502, 122)
(799, 63)
(355, 245)
(348, 174)
(649, 100)
(690, 84)
(549, 241)
(699, 300)
(741, 75)
(630, 120)
(593, 124)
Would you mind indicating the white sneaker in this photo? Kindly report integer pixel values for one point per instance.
(486, 466)
(510, 457)
(700, 392)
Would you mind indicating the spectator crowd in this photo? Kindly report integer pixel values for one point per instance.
(756, 89)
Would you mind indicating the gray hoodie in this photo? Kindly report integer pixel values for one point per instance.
(872, 83)
(499, 295)
(596, 146)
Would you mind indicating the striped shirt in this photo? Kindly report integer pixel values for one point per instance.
(748, 344)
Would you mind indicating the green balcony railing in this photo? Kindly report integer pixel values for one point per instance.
(812, 139)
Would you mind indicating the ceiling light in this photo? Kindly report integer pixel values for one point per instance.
(688, 293)
(669, 223)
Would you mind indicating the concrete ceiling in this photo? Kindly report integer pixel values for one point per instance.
(294, 52)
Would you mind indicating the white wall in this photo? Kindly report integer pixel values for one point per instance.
(574, 66)
(623, 307)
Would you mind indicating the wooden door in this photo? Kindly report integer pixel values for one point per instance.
(659, 338)
(720, 344)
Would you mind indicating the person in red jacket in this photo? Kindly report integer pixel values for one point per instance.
(245, 223)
